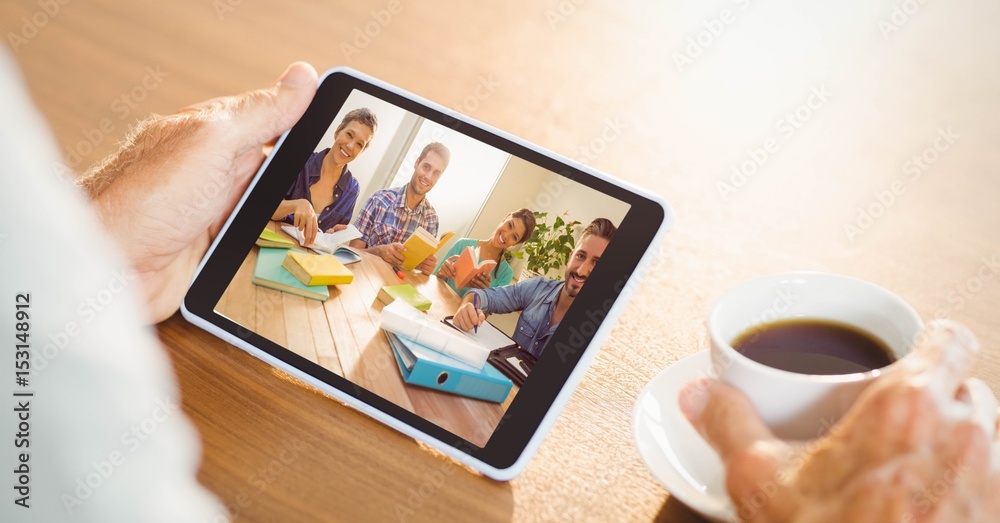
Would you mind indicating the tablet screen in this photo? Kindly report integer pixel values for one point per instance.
(441, 212)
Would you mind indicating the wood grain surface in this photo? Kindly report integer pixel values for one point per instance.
(866, 136)
(342, 335)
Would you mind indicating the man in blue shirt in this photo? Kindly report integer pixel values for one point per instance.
(322, 197)
(543, 302)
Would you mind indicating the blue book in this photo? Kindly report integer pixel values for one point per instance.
(428, 368)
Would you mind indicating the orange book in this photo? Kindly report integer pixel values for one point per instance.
(468, 267)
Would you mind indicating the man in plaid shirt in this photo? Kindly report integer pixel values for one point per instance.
(390, 216)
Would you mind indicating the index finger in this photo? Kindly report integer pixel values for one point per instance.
(945, 355)
(311, 227)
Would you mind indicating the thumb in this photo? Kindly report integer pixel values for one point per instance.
(751, 454)
(261, 116)
(723, 416)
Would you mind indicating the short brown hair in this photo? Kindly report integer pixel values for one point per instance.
(362, 115)
(600, 227)
(438, 147)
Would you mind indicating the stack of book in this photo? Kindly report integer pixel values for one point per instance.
(283, 268)
(268, 272)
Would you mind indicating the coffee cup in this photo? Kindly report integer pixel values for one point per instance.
(797, 405)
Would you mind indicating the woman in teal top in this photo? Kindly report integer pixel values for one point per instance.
(512, 231)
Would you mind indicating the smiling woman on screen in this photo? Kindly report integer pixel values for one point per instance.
(512, 231)
(323, 196)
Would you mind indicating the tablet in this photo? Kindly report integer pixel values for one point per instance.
(561, 247)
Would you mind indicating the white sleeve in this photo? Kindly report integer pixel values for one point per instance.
(103, 434)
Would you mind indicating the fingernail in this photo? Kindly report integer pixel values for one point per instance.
(694, 397)
(295, 76)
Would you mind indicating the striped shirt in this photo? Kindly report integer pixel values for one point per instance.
(385, 218)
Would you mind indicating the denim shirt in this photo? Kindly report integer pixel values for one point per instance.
(536, 299)
(345, 193)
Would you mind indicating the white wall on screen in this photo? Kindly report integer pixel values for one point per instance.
(471, 174)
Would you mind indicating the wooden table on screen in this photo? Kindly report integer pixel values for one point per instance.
(342, 335)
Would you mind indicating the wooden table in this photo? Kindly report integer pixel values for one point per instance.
(342, 335)
(600, 82)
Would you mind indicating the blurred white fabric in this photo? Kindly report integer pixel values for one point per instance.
(108, 441)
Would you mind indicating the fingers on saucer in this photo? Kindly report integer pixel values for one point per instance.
(723, 416)
(945, 357)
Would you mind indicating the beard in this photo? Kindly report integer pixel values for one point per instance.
(571, 289)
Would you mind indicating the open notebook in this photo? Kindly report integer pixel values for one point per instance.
(325, 242)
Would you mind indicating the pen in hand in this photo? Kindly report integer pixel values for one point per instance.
(475, 305)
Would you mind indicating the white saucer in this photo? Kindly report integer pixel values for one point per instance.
(674, 452)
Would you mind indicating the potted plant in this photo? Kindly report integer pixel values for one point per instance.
(549, 246)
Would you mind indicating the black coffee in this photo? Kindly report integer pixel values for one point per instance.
(812, 346)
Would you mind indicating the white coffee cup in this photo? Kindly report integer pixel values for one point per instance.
(803, 406)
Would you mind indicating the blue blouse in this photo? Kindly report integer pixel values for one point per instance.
(345, 193)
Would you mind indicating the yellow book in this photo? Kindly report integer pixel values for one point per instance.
(420, 245)
(269, 238)
(317, 269)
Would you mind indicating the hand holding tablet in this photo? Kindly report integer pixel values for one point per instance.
(407, 165)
